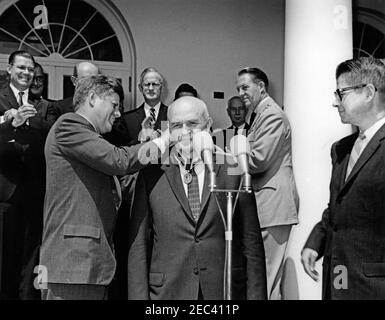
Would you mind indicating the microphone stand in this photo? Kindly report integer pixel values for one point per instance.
(228, 224)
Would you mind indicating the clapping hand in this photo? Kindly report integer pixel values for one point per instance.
(20, 115)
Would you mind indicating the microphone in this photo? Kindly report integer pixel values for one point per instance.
(239, 147)
(204, 146)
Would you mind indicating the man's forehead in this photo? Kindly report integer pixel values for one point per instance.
(150, 76)
(236, 104)
(20, 60)
(244, 78)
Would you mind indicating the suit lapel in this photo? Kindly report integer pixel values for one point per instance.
(369, 150)
(173, 176)
(162, 116)
(10, 97)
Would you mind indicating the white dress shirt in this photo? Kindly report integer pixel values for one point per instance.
(200, 172)
(370, 132)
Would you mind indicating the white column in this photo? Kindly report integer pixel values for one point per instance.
(318, 37)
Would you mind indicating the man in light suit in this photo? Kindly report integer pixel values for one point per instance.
(82, 194)
(271, 171)
(24, 124)
(176, 234)
(350, 236)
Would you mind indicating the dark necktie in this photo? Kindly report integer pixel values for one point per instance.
(235, 131)
(152, 114)
(193, 195)
(252, 118)
(20, 98)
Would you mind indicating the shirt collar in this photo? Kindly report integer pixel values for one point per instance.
(370, 132)
(16, 92)
(251, 110)
(156, 107)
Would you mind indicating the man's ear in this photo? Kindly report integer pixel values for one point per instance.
(91, 98)
(9, 69)
(140, 88)
(370, 91)
(209, 124)
(74, 80)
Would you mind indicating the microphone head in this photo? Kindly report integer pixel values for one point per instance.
(239, 145)
(202, 141)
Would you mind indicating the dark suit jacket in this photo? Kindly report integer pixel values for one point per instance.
(170, 256)
(22, 149)
(126, 129)
(79, 208)
(222, 137)
(63, 106)
(352, 230)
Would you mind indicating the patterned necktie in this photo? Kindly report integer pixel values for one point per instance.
(20, 98)
(152, 114)
(193, 195)
(355, 154)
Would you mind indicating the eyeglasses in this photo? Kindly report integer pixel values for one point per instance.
(339, 92)
(23, 68)
(39, 79)
(154, 84)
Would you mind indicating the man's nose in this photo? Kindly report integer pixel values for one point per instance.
(117, 113)
(336, 102)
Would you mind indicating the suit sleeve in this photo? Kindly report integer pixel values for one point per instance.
(138, 243)
(45, 117)
(77, 141)
(266, 141)
(7, 131)
(317, 237)
(253, 248)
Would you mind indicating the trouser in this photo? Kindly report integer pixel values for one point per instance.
(61, 291)
(275, 240)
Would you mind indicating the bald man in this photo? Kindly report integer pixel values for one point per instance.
(81, 70)
(176, 233)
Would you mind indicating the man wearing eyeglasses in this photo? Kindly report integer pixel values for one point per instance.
(350, 236)
(23, 128)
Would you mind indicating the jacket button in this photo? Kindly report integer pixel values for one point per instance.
(196, 270)
(197, 240)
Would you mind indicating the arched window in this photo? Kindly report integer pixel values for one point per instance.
(61, 33)
(368, 33)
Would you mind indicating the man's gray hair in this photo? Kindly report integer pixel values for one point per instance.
(148, 70)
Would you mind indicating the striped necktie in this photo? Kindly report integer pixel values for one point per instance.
(193, 195)
(355, 154)
(152, 114)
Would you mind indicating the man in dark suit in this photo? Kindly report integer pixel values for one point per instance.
(76, 255)
(24, 123)
(81, 70)
(176, 234)
(350, 236)
(135, 126)
(236, 111)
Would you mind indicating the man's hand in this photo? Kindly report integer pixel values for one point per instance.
(308, 259)
(147, 134)
(22, 114)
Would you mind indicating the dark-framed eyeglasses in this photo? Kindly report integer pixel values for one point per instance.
(39, 79)
(339, 93)
(154, 84)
